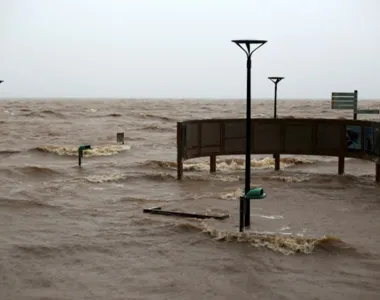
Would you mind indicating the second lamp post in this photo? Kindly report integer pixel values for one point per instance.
(275, 80)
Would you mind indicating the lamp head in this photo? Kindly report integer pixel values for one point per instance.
(248, 44)
(275, 79)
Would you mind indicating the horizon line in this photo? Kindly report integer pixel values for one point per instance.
(170, 98)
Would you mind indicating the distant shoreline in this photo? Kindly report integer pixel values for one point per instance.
(163, 99)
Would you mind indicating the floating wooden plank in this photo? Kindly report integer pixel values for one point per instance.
(159, 211)
(368, 111)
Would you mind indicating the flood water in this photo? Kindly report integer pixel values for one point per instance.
(79, 233)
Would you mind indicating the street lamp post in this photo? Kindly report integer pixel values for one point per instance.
(275, 80)
(257, 44)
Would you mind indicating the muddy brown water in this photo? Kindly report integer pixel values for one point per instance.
(79, 233)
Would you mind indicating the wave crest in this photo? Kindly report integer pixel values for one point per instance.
(284, 244)
(23, 203)
(230, 164)
(37, 171)
(95, 151)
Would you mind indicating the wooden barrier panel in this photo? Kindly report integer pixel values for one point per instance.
(298, 138)
(266, 138)
(209, 138)
(328, 137)
(233, 136)
(191, 137)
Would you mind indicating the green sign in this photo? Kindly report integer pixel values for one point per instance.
(344, 101)
(368, 111)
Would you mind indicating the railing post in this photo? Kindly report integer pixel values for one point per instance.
(276, 162)
(212, 163)
(179, 151)
(341, 165)
(242, 208)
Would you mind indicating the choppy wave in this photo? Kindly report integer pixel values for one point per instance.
(121, 177)
(95, 151)
(156, 117)
(63, 249)
(23, 203)
(114, 115)
(159, 176)
(9, 152)
(106, 178)
(230, 164)
(232, 195)
(295, 178)
(36, 171)
(44, 114)
(139, 200)
(157, 128)
(331, 181)
(15, 173)
(334, 181)
(284, 244)
(227, 164)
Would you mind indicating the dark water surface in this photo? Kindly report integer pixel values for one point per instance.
(79, 233)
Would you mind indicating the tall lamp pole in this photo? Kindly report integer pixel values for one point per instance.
(275, 80)
(247, 50)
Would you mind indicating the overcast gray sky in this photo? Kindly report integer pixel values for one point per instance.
(182, 48)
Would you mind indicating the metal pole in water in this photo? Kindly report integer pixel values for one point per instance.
(275, 80)
(248, 52)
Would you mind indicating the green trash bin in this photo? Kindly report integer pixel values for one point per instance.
(245, 207)
(255, 194)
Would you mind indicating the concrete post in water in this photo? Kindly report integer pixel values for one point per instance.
(212, 163)
(120, 137)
